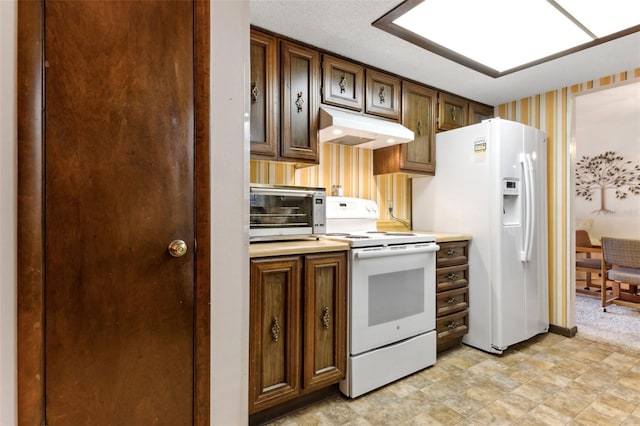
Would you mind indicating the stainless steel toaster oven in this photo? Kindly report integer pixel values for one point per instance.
(279, 212)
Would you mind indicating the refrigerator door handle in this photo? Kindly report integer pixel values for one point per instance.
(532, 206)
(529, 207)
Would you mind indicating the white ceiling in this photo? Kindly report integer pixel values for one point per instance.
(344, 27)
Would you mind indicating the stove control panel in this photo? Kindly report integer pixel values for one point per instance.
(351, 208)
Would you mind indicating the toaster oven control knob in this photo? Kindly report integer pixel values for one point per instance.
(177, 248)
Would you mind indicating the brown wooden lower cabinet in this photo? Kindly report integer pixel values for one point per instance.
(452, 293)
(297, 341)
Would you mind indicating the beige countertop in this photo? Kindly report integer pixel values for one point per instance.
(444, 237)
(280, 248)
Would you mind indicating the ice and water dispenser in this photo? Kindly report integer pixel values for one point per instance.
(510, 204)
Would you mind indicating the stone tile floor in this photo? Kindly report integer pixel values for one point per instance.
(549, 380)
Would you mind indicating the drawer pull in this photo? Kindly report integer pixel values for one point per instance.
(452, 300)
(451, 252)
(275, 329)
(452, 277)
(325, 317)
(451, 325)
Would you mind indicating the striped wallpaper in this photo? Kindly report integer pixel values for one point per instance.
(341, 165)
(352, 168)
(551, 112)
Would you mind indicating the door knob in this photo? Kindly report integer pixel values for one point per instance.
(177, 248)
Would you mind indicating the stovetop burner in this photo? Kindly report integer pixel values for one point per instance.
(379, 238)
(392, 234)
(347, 235)
(354, 220)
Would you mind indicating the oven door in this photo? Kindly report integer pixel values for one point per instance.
(392, 294)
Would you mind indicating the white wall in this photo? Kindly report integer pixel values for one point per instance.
(609, 120)
(229, 218)
(230, 176)
(8, 203)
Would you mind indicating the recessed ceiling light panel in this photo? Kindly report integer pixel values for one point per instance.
(604, 18)
(497, 37)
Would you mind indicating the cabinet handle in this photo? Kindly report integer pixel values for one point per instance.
(453, 113)
(452, 300)
(419, 128)
(451, 325)
(381, 95)
(255, 93)
(343, 84)
(451, 252)
(299, 102)
(325, 317)
(452, 277)
(275, 329)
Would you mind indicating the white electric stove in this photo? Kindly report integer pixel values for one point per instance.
(391, 325)
(354, 220)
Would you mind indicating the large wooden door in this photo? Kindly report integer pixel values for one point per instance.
(119, 187)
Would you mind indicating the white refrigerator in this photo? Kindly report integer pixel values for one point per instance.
(491, 183)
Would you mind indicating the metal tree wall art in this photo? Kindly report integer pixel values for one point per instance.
(606, 171)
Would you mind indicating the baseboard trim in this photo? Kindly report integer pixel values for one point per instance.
(563, 331)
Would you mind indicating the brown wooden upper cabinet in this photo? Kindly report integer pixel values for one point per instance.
(300, 84)
(382, 95)
(452, 111)
(264, 128)
(342, 83)
(478, 112)
(285, 94)
(419, 115)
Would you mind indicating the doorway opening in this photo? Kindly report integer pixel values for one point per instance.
(605, 147)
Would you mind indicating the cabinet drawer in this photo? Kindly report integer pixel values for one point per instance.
(454, 253)
(449, 302)
(453, 325)
(452, 277)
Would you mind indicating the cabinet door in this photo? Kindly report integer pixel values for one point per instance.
(274, 350)
(325, 320)
(452, 112)
(342, 83)
(418, 114)
(382, 95)
(264, 95)
(300, 101)
(478, 112)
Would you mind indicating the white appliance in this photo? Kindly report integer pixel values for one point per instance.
(391, 297)
(349, 128)
(491, 183)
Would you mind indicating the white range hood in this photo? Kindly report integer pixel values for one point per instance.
(349, 128)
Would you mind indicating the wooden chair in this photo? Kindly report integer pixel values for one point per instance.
(586, 263)
(623, 258)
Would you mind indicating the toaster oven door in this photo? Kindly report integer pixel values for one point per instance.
(282, 213)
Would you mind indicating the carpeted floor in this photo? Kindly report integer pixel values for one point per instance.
(618, 326)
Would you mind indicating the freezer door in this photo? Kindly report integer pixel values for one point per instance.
(509, 313)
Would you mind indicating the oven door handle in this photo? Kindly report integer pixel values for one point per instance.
(396, 251)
